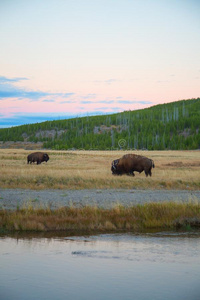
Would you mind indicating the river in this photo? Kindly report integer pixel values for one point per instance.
(162, 265)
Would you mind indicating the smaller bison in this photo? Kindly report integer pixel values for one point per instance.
(129, 163)
(38, 157)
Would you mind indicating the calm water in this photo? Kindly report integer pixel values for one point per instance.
(110, 266)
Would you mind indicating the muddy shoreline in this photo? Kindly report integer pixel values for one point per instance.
(11, 199)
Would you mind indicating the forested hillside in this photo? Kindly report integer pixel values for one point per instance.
(168, 126)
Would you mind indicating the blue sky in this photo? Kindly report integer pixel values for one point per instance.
(71, 57)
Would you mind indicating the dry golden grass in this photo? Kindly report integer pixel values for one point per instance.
(91, 169)
(93, 219)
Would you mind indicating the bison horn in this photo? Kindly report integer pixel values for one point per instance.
(114, 167)
(116, 162)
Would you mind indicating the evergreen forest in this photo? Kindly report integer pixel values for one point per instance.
(174, 126)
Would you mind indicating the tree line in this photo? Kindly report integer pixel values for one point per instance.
(172, 126)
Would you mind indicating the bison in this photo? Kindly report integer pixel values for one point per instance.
(130, 163)
(37, 157)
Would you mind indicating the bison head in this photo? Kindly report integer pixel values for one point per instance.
(114, 166)
(46, 157)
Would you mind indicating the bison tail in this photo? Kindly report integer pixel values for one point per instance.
(153, 164)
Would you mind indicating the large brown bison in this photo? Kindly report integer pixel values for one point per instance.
(38, 157)
(130, 163)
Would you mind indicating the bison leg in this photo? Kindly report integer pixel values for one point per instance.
(38, 162)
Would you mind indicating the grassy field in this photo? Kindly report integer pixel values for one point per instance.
(93, 219)
(91, 169)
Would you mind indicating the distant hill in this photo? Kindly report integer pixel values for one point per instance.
(173, 126)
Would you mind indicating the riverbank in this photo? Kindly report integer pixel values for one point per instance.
(82, 180)
(134, 218)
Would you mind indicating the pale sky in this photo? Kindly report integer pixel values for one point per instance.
(62, 58)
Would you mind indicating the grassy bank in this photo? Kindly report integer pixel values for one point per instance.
(91, 170)
(93, 219)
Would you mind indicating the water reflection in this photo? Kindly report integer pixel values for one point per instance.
(108, 266)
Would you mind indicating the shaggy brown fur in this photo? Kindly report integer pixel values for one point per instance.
(129, 163)
(38, 157)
